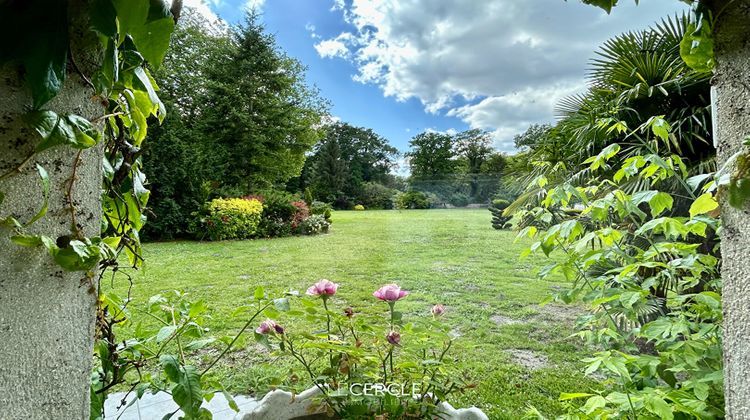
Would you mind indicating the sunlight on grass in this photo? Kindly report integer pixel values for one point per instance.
(516, 352)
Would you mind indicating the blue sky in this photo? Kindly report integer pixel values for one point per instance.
(404, 66)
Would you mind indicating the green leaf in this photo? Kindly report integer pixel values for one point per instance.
(30, 241)
(150, 33)
(607, 5)
(703, 204)
(572, 396)
(697, 47)
(658, 406)
(187, 391)
(281, 304)
(103, 17)
(165, 332)
(45, 195)
(659, 202)
(259, 293)
(56, 130)
(660, 127)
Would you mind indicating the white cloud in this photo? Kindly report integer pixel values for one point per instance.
(510, 60)
(254, 4)
(202, 7)
(335, 47)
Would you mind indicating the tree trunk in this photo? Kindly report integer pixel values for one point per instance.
(732, 82)
(47, 315)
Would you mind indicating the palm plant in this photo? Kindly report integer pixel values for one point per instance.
(635, 77)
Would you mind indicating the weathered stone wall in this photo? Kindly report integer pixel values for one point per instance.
(732, 82)
(46, 315)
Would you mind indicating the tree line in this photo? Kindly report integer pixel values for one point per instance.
(242, 120)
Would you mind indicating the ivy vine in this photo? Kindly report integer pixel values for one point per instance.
(133, 35)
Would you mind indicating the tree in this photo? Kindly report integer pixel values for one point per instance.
(363, 155)
(260, 116)
(241, 119)
(476, 147)
(329, 172)
(533, 135)
(432, 156)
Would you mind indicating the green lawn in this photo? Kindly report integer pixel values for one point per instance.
(452, 257)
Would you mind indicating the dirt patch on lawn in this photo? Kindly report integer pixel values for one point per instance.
(502, 320)
(528, 359)
(560, 313)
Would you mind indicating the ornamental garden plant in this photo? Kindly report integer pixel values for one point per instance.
(369, 367)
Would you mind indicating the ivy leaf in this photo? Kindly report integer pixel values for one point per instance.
(103, 17)
(86, 135)
(29, 241)
(149, 24)
(44, 176)
(697, 47)
(56, 130)
(703, 204)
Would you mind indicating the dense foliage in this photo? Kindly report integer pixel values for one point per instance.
(351, 165)
(622, 188)
(233, 218)
(241, 120)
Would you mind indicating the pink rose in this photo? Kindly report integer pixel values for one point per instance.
(438, 310)
(390, 293)
(323, 288)
(394, 338)
(268, 326)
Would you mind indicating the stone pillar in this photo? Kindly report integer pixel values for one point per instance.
(47, 315)
(732, 83)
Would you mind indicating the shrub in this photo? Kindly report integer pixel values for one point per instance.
(302, 212)
(376, 196)
(233, 218)
(458, 199)
(359, 207)
(496, 208)
(319, 207)
(314, 225)
(370, 349)
(412, 200)
(278, 213)
(500, 203)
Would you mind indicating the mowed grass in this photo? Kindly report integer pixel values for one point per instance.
(517, 352)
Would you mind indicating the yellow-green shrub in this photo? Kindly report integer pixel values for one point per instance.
(232, 218)
(359, 207)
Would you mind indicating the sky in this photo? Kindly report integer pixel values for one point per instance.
(402, 67)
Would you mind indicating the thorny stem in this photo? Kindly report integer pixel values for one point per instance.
(304, 364)
(236, 337)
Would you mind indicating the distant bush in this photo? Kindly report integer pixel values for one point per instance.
(301, 214)
(319, 207)
(278, 213)
(359, 207)
(314, 225)
(412, 200)
(376, 196)
(497, 207)
(458, 199)
(500, 203)
(233, 218)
